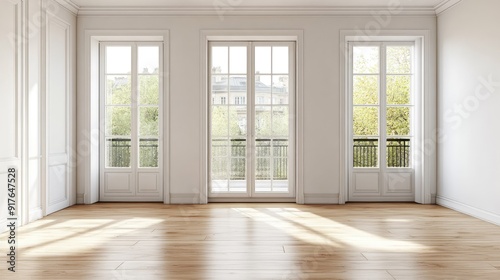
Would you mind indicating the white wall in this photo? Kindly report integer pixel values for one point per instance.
(321, 95)
(59, 107)
(24, 126)
(469, 156)
(11, 98)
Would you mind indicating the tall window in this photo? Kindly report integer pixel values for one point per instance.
(131, 111)
(382, 98)
(252, 136)
(131, 105)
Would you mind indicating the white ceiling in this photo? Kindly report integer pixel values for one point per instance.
(254, 3)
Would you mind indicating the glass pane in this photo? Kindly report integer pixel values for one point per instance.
(237, 90)
(117, 151)
(118, 59)
(220, 147)
(237, 121)
(219, 60)
(365, 121)
(148, 152)
(280, 147)
(238, 60)
(280, 60)
(263, 60)
(118, 121)
(219, 89)
(263, 123)
(398, 152)
(399, 59)
(263, 169)
(280, 153)
(238, 170)
(398, 90)
(365, 90)
(365, 152)
(219, 168)
(219, 185)
(281, 89)
(280, 169)
(148, 60)
(263, 84)
(220, 121)
(280, 121)
(149, 89)
(398, 121)
(263, 147)
(238, 147)
(148, 121)
(118, 90)
(366, 60)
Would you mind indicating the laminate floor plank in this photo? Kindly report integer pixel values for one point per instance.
(284, 241)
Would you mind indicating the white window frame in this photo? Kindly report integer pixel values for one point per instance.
(425, 107)
(252, 35)
(88, 117)
(382, 104)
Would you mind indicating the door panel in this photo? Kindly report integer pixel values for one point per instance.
(381, 98)
(57, 99)
(131, 147)
(251, 127)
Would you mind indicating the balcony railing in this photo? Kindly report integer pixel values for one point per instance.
(271, 155)
(365, 152)
(118, 152)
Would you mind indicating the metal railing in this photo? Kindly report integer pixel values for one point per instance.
(118, 152)
(365, 152)
(230, 156)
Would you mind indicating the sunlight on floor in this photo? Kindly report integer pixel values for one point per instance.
(78, 234)
(309, 227)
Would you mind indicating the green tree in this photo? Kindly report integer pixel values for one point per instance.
(225, 122)
(366, 93)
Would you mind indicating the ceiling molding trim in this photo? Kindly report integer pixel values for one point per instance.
(446, 5)
(251, 11)
(70, 6)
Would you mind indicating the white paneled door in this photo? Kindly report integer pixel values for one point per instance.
(131, 122)
(383, 89)
(251, 97)
(58, 120)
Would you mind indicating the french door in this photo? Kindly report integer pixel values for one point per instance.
(131, 121)
(383, 89)
(251, 141)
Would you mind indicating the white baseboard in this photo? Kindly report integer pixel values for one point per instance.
(184, 198)
(321, 198)
(469, 210)
(80, 198)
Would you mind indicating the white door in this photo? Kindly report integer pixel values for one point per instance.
(58, 114)
(382, 121)
(131, 122)
(251, 120)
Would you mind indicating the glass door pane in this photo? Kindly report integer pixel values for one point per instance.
(399, 105)
(228, 123)
(148, 104)
(118, 106)
(272, 119)
(366, 106)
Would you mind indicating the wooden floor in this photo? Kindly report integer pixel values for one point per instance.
(256, 241)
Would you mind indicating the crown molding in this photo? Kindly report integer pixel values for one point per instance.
(70, 6)
(250, 11)
(445, 5)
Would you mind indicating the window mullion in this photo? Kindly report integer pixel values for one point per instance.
(135, 111)
(383, 107)
(251, 144)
